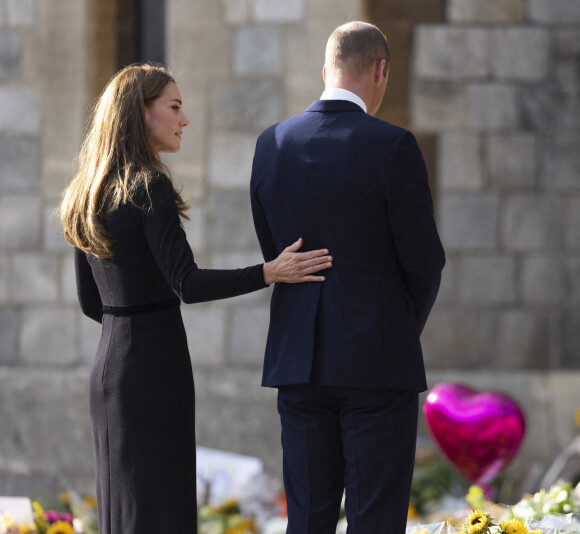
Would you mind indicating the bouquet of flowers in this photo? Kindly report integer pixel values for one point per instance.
(50, 522)
(224, 519)
(78, 516)
(480, 523)
(553, 511)
(559, 499)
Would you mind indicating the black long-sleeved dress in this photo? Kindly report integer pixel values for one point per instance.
(141, 388)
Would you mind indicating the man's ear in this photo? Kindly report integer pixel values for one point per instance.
(324, 73)
(381, 70)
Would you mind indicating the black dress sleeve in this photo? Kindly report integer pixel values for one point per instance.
(174, 257)
(87, 290)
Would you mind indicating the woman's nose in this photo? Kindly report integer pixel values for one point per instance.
(184, 121)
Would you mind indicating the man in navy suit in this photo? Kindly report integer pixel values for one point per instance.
(345, 354)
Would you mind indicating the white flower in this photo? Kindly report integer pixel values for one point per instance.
(277, 525)
(562, 496)
(78, 525)
(6, 522)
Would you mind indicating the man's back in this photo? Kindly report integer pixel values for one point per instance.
(347, 350)
(356, 185)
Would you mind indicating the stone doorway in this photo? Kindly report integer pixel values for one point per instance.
(121, 32)
(397, 20)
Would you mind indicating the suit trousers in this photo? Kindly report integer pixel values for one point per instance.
(360, 442)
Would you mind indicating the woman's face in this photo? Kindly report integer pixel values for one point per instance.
(165, 120)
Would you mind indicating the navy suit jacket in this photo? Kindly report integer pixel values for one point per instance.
(356, 185)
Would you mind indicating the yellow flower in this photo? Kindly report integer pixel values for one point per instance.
(476, 522)
(91, 501)
(412, 512)
(248, 524)
(578, 417)
(38, 510)
(60, 527)
(26, 529)
(64, 498)
(6, 522)
(239, 525)
(475, 497)
(39, 518)
(229, 506)
(513, 526)
(422, 531)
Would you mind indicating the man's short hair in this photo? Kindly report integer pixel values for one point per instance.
(355, 47)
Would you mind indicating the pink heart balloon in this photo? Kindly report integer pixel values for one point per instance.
(480, 432)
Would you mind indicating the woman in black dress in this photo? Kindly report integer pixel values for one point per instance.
(133, 266)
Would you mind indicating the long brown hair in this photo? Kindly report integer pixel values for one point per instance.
(115, 159)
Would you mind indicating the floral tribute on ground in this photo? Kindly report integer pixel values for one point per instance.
(552, 511)
(75, 515)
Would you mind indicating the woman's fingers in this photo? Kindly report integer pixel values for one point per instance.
(313, 261)
(292, 266)
(311, 278)
(300, 256)
(307, 263)
(316, 264)
(294, 246)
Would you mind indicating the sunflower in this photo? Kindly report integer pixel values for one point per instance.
(476, 522)
(513, 526)
(60, 527)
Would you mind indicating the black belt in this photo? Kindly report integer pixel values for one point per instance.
(123, 311)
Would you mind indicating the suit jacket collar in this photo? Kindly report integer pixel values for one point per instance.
(334, 105)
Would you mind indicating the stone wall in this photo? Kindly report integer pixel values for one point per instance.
(44, 436)
(498, 84)
(493, 86)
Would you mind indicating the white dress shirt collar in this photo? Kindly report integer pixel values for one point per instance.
(337, 93)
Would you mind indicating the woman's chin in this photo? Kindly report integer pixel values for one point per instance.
(170, 150)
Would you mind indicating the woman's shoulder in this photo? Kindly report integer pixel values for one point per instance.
(160, 179)
(155, 190)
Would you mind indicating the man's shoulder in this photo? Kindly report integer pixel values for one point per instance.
(282, 127)
(384, 126)
(366, 124)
